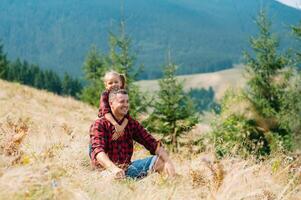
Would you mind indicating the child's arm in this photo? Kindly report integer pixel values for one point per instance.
(120, 130)
(123, 125)
(104, 106)
(110, 118)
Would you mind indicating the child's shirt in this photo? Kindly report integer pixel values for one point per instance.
(104, 106)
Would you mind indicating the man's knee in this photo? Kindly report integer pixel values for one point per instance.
(159, 165)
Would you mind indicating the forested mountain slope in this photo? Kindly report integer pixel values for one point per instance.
(201, 35)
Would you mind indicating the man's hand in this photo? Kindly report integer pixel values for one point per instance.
(169, 168)
(105, 161)
(167, 165)
(118, 173)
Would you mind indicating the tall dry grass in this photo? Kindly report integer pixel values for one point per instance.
(43, 155)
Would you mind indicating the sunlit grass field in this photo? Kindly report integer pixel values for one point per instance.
(44, 155)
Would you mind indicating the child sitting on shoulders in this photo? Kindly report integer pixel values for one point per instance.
(112, 80)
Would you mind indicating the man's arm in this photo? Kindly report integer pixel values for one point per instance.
(105, 161)
(168, 165)
(118, 128)
(98, 143)
(143, 137)
(154, 146)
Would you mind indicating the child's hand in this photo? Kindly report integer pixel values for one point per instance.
(119, 129)
(116, 135)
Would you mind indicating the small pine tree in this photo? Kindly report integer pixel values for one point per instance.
(204, 100)
(94, 69)
(262, 69)
(174, 112)
(71, 86)
(52, 82)
(13, 70)
(121, 60)
(3, 63)
(269, 118)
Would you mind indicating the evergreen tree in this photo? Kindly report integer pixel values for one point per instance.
(32, 72)
(70, 86)
(121, 60)
(119, 57)
(291, 112)
(39, 81)
(3, 63)
(94, 69)
(272, 92)
(174, 112)
(52, 82)
(268, 86)
(13, 71)
(263, 69)
(297, 32)
(204, 99)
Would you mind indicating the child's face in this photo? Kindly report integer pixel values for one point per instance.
(113, 81)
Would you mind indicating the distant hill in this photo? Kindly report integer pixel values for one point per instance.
(203, 36)
(219, 81)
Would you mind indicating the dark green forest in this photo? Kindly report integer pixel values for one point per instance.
(202, 36)
(32, 75)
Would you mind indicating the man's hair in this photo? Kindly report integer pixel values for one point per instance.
(114, 92)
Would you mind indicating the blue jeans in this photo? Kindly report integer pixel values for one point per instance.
(138, 168)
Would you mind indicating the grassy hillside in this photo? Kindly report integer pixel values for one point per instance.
(219, 81)
(43, 155)
(203, 35)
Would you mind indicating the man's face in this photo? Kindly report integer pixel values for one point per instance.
(120, 105)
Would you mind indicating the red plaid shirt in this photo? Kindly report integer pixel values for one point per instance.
(104, 106)
(119, 151)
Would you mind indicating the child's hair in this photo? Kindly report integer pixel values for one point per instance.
(114, 73)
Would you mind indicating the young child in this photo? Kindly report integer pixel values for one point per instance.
(112, 80)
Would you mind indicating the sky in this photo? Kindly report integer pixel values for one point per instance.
(291, 3)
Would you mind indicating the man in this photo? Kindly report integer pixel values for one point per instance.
(115, 155)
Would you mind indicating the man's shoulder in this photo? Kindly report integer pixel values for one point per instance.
(131, 119)
(100, 121)
(100, 124)
(133, 122)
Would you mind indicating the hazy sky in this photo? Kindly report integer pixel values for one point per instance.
(292, 3)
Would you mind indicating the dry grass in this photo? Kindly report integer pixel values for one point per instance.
(43, 150)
